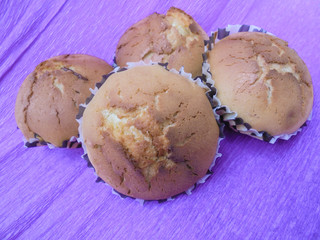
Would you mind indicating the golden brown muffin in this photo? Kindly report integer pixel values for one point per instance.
(263, 80)
(174, 38)
(49, 98)
(150, 133)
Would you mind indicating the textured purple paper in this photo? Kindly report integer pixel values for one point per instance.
(257, 191)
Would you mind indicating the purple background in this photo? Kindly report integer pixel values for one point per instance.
(258, 190)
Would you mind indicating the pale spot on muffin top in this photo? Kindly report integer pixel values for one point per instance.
(180, 23)
(58, 85)
(147, 147)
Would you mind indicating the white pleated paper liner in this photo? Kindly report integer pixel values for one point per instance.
(226, 115)
(38, 141)
(198, 81)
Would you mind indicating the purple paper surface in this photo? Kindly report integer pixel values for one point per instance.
(257, 190)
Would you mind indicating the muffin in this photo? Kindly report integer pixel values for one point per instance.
(49, 98)
(149, 133)
(174, 38)
(264, 83)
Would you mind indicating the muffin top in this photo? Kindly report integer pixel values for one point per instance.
(150, 133)
(174, 38)
(49, 98)
(263, 80)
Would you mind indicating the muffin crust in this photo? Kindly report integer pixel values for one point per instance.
(49, 98)
(174, 38)
(263, 80)
(150, 133)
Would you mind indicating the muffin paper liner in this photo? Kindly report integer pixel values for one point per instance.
(224, 113)
(37, 141)
(198, 80)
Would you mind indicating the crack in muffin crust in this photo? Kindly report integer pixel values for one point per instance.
(25, 109)
(148, 147)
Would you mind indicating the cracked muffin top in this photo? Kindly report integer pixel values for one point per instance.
(49, 98)
(174, 38)
(150, 133)
(263, 80)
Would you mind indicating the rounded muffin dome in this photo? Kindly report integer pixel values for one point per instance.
(263, 81)
(174, 38)
(150, 133)
(48, 99)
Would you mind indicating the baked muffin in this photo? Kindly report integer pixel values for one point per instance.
(263, 81)
(149, 133)
(174, 38)
(49, 98)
